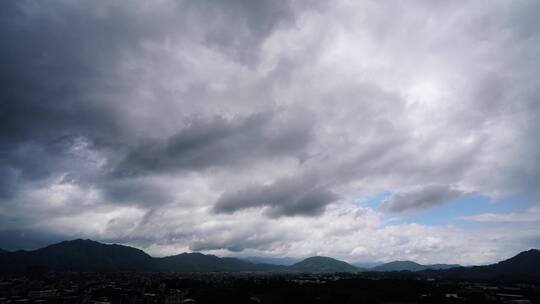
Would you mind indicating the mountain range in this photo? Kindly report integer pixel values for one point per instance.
(198, 262)
(386, 267)
(410, 266)
(88, 255)
(285, 261)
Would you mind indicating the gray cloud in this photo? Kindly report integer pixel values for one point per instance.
(248, 23)
(426, 197)
(284, 197)
(136, 192)
(218, 141)
(64, 64)
(236, 244)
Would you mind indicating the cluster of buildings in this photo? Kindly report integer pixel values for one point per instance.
(163, 288)
(90, 288)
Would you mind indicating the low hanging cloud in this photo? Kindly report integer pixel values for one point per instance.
(426, 197)
(234, 243)
(284, 197)
(136, 192)
(218, 141)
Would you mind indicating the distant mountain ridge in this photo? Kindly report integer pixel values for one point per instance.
(526, 263)
(442, 266)
(410, 266)
(285, 261)
(198, 262)
(88, 255)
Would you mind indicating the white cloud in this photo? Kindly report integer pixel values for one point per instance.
(531, 215)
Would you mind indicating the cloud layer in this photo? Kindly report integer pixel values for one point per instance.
(226, 126)
(283, 197)
(426, 197)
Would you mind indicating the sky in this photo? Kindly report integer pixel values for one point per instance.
(367, 131)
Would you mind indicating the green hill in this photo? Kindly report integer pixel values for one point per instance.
(322, 264)
(526, 264)
(78, 255)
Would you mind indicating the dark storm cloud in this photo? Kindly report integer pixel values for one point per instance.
(28, 239)
(8, 176)
(62, 78)
(133, 192)
(427, 197)
(53, 58)
(284, 197)
(233, 245)
(28, 162)
(248, 24)
(219, 141)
